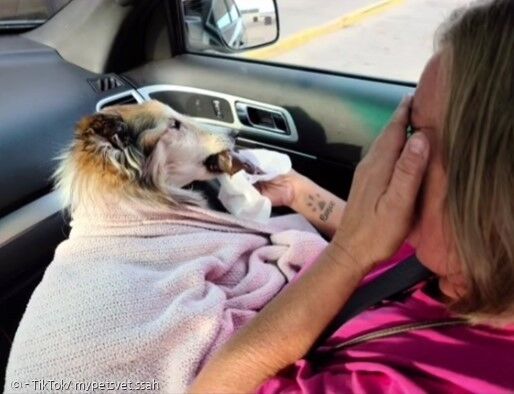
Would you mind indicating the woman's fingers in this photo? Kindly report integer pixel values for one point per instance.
(401, 115)
(407, 175)
(393, 137)
(387, 147)
(280, 190)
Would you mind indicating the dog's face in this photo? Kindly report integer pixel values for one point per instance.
(146, 146)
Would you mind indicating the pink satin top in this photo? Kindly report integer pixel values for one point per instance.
(456, 359)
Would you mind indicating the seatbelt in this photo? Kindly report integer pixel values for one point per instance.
(396, 280)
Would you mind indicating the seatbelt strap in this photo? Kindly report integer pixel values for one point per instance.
(398, 279)
(326, 353)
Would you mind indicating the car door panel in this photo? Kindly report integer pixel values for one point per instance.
(336, 116)
(42, 98)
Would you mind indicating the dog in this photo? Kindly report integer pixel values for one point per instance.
(142, 153)
(149, 283)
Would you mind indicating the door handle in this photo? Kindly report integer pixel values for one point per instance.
(262, 118)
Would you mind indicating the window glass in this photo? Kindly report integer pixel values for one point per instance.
(234, 13)
(27, 13)
(220, 14)
(389, 39)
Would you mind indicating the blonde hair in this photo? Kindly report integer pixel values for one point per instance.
(478, 143)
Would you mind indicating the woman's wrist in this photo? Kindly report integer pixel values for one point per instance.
(320, 207)
(341, 255)
(300, 186)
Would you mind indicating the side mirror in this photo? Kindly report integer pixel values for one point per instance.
(231, 25)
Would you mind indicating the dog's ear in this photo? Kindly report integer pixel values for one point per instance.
(108, 126)
(150, 140)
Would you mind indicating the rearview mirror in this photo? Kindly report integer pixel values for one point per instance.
(230, 25)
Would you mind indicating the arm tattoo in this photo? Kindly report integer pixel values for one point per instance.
(317, 204)
(328, 211)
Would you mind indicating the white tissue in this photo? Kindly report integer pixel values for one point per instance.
(237, 193)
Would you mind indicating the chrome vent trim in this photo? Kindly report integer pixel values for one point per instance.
(127, 97)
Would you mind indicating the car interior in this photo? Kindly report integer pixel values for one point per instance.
(93, 54)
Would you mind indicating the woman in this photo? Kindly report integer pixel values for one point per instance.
(461, 225)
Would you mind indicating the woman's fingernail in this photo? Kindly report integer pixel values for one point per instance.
(417, 145)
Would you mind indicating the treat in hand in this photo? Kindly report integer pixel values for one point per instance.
(230, 162)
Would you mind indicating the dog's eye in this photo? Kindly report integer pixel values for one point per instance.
(176, 124)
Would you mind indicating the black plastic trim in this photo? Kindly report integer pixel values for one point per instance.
(43, 98)
(175, 17)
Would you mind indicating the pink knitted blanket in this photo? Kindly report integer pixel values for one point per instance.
(148, 296)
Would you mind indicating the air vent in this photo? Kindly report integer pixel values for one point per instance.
(119, 99)
(122, 101)
(106, 83)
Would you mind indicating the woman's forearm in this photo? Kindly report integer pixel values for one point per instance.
(285, 330)
(320, 207)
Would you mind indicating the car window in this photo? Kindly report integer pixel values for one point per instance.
(386, 39)
(19, 14)
(220, 14)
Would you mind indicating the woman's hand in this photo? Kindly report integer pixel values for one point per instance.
(380, 208)
(282, 190)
